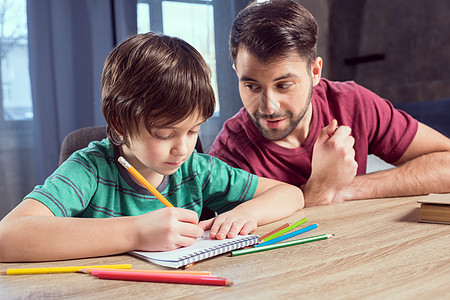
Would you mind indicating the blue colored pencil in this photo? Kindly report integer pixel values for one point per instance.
(288, 235)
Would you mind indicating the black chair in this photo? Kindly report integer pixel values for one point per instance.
(80, 138)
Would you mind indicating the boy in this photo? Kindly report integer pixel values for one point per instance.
(156, 93)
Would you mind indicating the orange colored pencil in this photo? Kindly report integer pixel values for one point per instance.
(144, 181)
(94, 272)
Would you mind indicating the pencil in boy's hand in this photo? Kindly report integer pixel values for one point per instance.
(144, 181)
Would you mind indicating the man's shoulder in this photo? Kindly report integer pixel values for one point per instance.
(342, 93)
(327, 88)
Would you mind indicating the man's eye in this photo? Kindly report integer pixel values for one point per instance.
(251, 86)
(284, 85)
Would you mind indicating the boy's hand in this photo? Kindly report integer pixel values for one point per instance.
(229, 224)
(167, 229)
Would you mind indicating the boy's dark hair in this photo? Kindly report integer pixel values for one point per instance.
(274, 29)
(155, 79)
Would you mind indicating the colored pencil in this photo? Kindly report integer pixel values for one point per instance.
(144, 181)
(204, 280)
(73, 269)
(288, 235)
(283, 231)
(94, 272)
(274, 231)
(281, 245)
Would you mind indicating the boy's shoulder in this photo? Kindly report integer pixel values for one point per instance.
(97, 153)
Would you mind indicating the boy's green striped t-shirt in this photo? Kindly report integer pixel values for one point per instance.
(92, 184)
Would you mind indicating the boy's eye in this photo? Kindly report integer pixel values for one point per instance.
(164, 138)
(163, 134)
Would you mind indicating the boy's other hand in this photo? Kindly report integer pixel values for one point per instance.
(167, 229)
(228, 225)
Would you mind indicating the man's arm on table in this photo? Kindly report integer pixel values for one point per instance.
(423, 168)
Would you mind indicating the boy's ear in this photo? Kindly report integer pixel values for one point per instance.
(316, 70)
(118, 129)
(234, 67)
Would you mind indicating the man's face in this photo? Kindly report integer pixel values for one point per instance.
(276, 95)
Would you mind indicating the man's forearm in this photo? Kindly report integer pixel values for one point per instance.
(426, 174)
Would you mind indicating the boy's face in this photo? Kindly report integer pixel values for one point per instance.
(163, 150)
(277, 94)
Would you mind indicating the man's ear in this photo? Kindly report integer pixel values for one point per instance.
(234, 67)
(316, 70)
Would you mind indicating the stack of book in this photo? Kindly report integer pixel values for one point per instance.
(435, 208)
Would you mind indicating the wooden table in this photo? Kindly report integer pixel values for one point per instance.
(379, 251)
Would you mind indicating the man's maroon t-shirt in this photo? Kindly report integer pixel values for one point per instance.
(378, 128)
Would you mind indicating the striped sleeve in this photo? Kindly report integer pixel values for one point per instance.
(68, 190)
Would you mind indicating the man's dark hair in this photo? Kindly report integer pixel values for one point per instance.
(274, 29)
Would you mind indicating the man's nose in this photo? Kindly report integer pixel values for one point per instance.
(269, 105)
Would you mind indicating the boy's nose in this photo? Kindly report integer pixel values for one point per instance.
(180, 148)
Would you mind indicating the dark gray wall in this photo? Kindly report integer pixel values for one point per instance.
(399, 49)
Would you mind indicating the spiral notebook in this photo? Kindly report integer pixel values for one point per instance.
(204, 248)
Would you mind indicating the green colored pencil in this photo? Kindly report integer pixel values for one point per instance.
(283, 231)
(282, 244)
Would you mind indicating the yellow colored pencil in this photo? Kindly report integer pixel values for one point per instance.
(24, 271)
(144, 181)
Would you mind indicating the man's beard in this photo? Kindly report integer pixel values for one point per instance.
(278, 134)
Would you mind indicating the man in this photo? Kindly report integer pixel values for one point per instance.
(299, 128)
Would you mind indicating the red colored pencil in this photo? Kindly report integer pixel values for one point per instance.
(168, 278)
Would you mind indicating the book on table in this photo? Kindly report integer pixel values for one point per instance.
(435, 208)
(204, 248)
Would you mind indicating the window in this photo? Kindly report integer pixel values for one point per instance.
(17, 164)
(193, 21)
(15, 92)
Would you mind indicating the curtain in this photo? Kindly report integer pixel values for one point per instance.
(68, 44)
